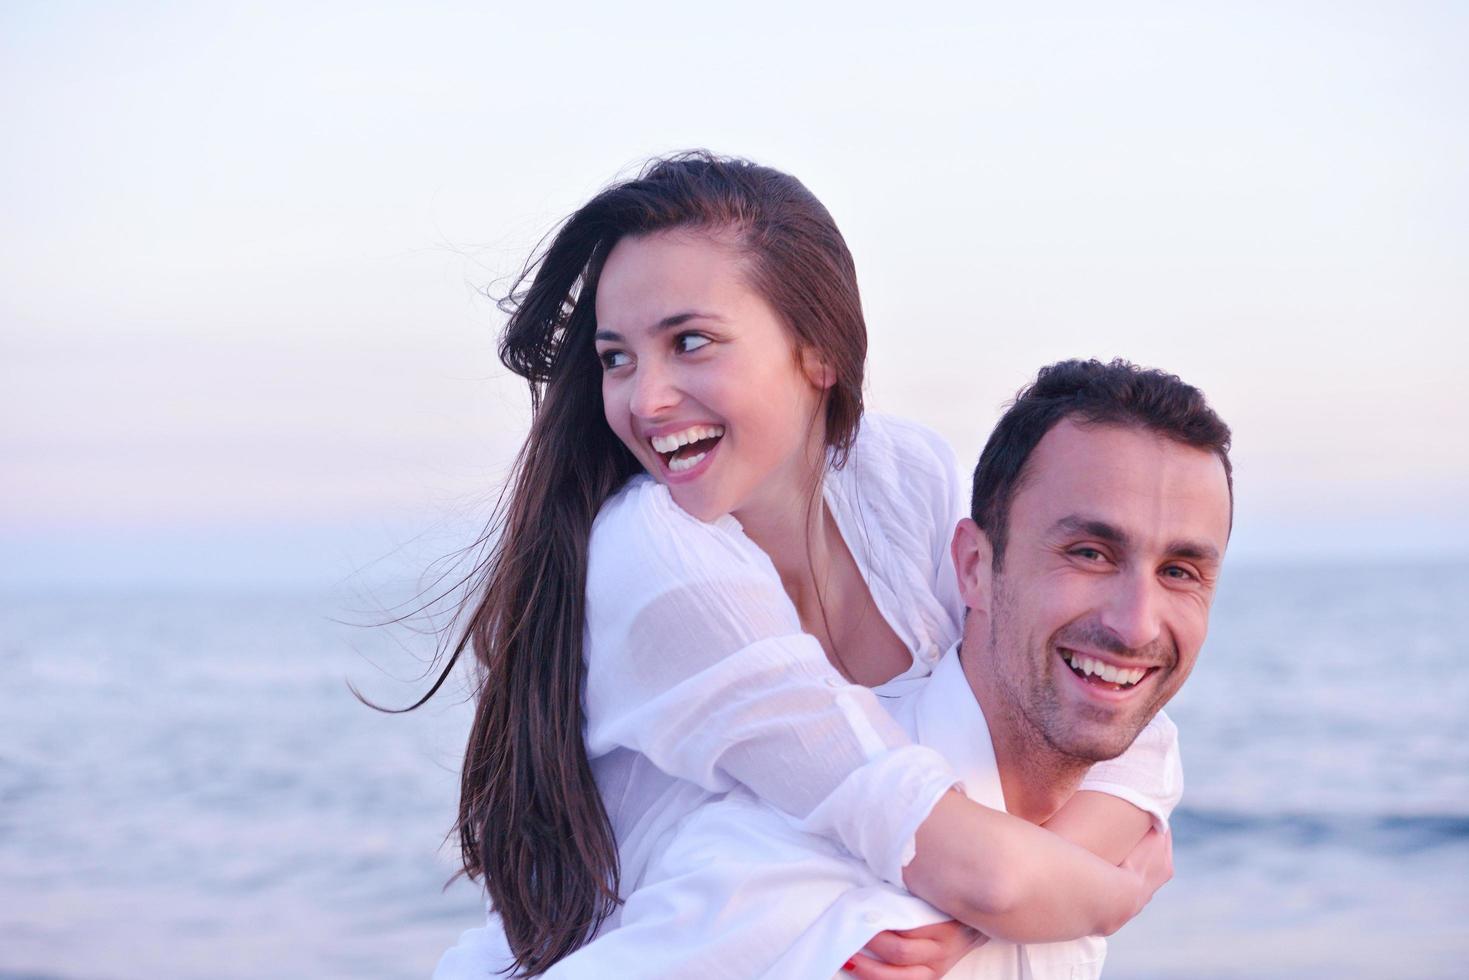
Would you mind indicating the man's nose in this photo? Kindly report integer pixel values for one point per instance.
(654, 391)
(1133, 611)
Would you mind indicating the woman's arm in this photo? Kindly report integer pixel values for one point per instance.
(1107, 826)
(1013, 880)
(1109, 817)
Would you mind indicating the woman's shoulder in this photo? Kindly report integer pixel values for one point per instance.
(904, 463)
(901, 494)
(905, 449)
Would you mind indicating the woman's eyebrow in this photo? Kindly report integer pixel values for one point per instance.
(678, 319)
(667, 323)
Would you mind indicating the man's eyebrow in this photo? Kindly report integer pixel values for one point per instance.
(1091, 527)
(1194, 550)
(1200, 551)
(667, 323)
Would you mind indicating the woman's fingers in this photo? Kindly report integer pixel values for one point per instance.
(903, 949)
(1152, 859)
(864, 967)
(950, 935)
(925, 953)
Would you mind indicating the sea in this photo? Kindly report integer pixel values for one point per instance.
(189, 788)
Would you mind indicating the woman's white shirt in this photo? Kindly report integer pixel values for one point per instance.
(699, 677)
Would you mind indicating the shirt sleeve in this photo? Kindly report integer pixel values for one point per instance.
(696, 659)
(1149, 775)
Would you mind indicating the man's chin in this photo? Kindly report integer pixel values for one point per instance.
(1098, 745)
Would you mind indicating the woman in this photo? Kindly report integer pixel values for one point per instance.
(673, 552)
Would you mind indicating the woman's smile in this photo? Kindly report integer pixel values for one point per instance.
(685, 448)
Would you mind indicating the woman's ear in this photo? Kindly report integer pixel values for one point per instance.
(974, 564)
(817, 370)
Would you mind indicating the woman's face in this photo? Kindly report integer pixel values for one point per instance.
(701, 380)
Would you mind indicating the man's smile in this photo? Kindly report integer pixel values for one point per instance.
(1102, 677)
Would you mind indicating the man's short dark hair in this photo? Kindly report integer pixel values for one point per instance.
(1092, 393)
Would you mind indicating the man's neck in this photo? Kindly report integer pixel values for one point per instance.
(1036, 784)
(1037, 780)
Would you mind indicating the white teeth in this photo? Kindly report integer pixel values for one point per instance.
(672, 441)
(687, 463)
(1126, 676)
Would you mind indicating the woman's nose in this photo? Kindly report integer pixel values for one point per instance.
(654, 391)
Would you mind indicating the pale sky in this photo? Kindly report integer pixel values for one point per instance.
(241, 335)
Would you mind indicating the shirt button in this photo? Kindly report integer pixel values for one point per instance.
(872, 917)
(834, 682)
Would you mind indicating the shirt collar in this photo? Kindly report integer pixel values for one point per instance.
(946, 717)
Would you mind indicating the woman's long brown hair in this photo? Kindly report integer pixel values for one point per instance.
(531, 821)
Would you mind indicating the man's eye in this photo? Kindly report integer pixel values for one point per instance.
(1179, 573)
(1090, 554)
(612, 359)
(690, 342)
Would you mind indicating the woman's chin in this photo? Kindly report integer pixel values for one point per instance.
(697, 504)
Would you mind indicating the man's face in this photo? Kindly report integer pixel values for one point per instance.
(1102, 602)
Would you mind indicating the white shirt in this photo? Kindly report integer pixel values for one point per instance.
(740, 892)
(701, 680)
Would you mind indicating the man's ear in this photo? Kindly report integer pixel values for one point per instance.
(817, 371)
(974, 564)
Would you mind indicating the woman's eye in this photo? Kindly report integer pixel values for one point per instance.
(612, 359)
(690, 342)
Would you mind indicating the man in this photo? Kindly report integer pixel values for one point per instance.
(1101, 509)
(1102, 505)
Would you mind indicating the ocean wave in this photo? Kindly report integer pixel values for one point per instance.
(1395, 833)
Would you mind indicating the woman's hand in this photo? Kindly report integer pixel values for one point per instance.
(926, 953)
(1152, 861)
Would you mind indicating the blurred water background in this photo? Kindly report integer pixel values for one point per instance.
(188, 789)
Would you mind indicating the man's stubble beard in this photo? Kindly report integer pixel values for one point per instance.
(1059, 733)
